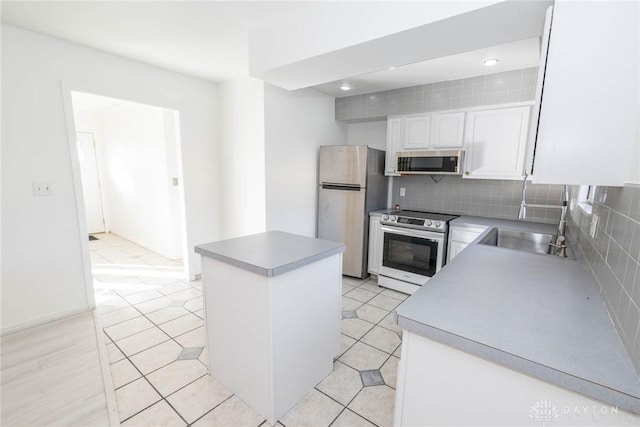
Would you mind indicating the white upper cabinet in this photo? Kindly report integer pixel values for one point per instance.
(417, 132)
(432, 131)
(394, 144)
(589, 109)
(447, 130)
(495, 142)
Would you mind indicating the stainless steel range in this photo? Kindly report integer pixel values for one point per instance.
(413, 248)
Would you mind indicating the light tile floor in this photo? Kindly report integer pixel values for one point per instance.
(153, 322)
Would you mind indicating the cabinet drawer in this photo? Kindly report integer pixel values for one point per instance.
(465, 234)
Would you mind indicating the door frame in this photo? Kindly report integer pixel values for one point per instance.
(79, 197)
(97, 142)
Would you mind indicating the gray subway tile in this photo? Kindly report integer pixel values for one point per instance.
(630, 272)
(631, 322)
(512, 86)
(634, 210)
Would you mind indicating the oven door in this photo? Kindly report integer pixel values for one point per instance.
(411, 255)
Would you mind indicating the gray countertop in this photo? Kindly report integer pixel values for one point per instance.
(270, 253)
(538, 314)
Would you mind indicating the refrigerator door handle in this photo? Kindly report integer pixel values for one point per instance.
(347, 187)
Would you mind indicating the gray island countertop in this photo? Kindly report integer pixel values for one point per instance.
(537, 314)
(271, 253)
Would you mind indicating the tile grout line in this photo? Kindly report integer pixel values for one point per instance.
(127, 357)
(162, 397)
(205, 414)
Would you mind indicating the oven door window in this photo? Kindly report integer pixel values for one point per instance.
(411, 254)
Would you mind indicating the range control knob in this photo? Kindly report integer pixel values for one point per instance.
(438, 224)
(385, 217)
(429, 222)
(392, 217)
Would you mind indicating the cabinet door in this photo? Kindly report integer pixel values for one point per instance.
(394, 142)
(417, 132)
(455, 248)
(588, 122)
(461, 236)
(375, 250)
(495, 140)
(447, 130)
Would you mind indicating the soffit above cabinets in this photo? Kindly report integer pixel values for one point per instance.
(484, 28)
(511, 56)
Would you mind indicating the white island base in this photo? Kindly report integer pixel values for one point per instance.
(272, 338)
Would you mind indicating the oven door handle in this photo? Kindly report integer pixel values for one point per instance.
(410, 232)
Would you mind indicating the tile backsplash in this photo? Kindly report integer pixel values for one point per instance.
(613, 256)
(497, 88)
(477, 197)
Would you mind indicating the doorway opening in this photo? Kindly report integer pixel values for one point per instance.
(131, 176)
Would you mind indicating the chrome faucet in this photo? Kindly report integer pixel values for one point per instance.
(559, 241)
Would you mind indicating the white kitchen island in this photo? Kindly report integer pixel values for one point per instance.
(272, 305)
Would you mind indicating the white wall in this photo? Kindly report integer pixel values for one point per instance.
(296, 124)
(242, 155)
(373, 134)
(138, 169)
(42, 246)
(634, 172)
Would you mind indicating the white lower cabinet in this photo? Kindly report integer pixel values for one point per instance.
(495, 142)
(375, 241)
(460, 236)
(439, 385)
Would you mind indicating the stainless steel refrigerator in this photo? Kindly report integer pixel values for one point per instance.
(352, 183)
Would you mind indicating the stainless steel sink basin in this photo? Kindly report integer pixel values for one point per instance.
(522, 241)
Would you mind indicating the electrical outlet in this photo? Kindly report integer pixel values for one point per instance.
(42, 189)
(594, 226)
(402, 192)
(174, 181)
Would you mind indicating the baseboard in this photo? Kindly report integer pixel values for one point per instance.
(6, 330)
(109, 391)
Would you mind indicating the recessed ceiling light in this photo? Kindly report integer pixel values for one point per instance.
(490, 62)
(345, 87)
(392, 68)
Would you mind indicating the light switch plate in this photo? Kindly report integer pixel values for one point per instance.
(594, 226)
(403, 191)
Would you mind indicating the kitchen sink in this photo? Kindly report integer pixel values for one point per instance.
(522, 241)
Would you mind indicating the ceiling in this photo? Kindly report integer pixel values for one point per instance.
(209, 39)
(198, 38)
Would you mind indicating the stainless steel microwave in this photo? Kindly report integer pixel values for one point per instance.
(430, 162)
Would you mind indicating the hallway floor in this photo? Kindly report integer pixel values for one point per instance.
(154, 327)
